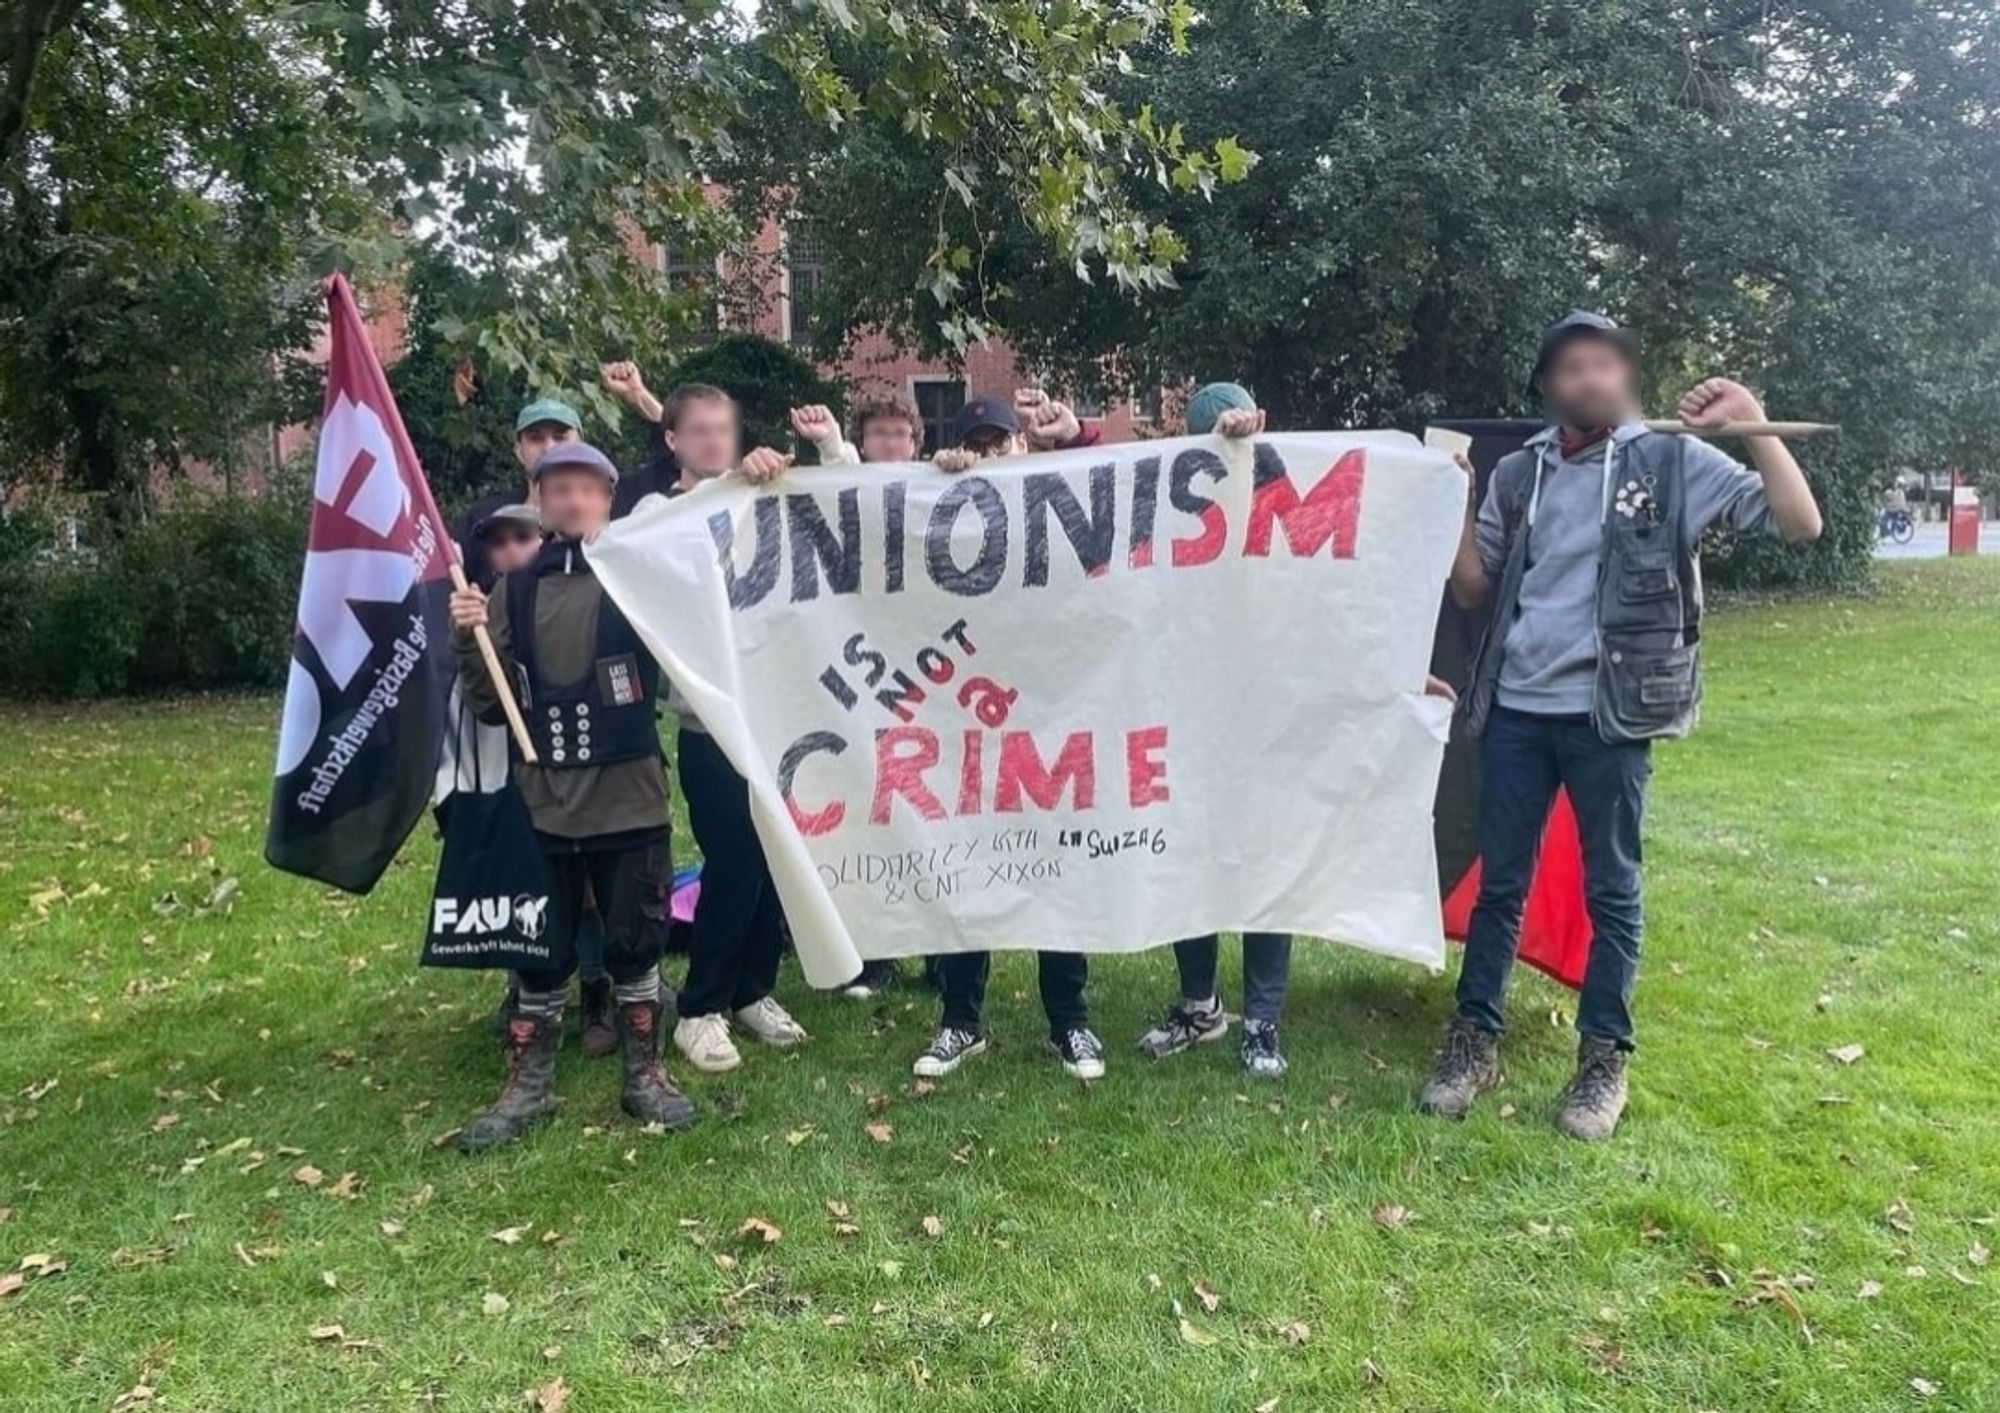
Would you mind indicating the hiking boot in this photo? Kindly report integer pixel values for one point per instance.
(1468, 1064)
(876, 977)
(951, 1048)
(771, 1023)
(1082, 1052)
(649, 1093)
(600, 1033)
(1186, 1023)
(529, 1095)
(1261, 1055)
(705, 1041)
(1596, 1096)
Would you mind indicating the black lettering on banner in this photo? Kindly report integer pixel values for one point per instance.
(858, 656)
(751, 587)
(837, 688)
(815, 550)
(1145, 510)
(1044, 491)
(795, 754)
(904, 694)
(892, 536)
(984, 573)
(1193, 462)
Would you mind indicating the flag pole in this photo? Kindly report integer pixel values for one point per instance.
(495, 672)
(1746, 429)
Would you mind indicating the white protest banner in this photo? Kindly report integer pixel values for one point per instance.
(1092, 700)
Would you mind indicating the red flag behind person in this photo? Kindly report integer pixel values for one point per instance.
(371, 659)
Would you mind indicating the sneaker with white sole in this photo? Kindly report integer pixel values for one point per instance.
(875, 978)
(1261, 1056)
(1187, 1023)
(1082, 1052)
(705, 1042)
(771, 1023)
(951, 1048)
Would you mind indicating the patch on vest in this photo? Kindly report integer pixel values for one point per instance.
(1636, 498)
(618, 680)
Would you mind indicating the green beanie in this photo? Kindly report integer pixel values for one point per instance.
(1211, 400)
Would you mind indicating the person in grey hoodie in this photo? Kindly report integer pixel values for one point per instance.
(1586, 545)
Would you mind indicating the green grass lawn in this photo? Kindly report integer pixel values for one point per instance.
(1773, 1229)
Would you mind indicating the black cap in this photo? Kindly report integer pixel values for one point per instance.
(983, 414)
(1578, 324)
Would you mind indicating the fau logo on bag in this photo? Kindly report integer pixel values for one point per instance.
(527, 914)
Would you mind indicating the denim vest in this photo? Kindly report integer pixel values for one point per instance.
(608, 716)
(1648, 615)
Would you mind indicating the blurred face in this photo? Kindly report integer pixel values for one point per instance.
(704, 439)
(992, 441)
(576, 502)
(537, 438)
(512, 547)
(1590, 383)
(888, 439)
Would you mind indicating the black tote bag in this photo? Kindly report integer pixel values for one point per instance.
(491, 905)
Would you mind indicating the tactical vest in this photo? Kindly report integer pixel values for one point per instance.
(608, 716)
(1648, 619)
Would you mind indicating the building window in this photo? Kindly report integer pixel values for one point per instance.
(938, 401)
(804, 260)
(686, 270)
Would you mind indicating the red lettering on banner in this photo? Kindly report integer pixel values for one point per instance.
(1146, 778)
(1331, 511)
(1023, 772)
(819, 822)
(902, 755)
(1207, 546)
(968, 773)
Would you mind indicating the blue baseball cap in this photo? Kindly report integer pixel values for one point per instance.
(983, 414)
(573, 456)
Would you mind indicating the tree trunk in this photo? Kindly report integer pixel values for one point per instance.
(26, 29)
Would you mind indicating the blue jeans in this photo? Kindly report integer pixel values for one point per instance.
(1524, 758)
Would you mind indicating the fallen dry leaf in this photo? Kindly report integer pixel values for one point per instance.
(494, 1303)
(346, 1188)
(1390, 1217)
(1371, 1372)
(1869, 1290)
(1846, 1054)
(136, 1396)
(511, 1236)
(1899, 1217)
(1978, 1255)
(985, 1318)
(551, 1397)
(1295, 1332)
(1199, 1338)
(933, 1226)
(309, 1175)
(758, 1227)
(1269, 1405)
(881, 1132)
(392, 1228)
(1210, 1298)
(10, 1283)
(1923, 1388)
(324, 1333)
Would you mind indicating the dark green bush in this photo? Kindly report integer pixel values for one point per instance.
(201, 595)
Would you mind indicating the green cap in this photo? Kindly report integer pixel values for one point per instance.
(1211, 400)
(547, 409)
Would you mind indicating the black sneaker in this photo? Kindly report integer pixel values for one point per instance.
(875, 977)
(1082, 1052)
(944, 1054)
(1186, 1024)
(1261, 1055)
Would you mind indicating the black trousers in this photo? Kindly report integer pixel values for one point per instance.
(628, 880)
(738, 933)
(962, 982)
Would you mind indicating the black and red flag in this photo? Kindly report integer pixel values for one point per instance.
(1555, 927)
(371, 673)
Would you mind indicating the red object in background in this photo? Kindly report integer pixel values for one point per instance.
(1555, 925)
(1962, 524)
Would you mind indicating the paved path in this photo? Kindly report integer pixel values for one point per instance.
(1930, 542)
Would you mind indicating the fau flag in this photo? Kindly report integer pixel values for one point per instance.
(371, 670)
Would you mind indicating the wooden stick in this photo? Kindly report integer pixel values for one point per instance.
(499, 675)
(1748, 429)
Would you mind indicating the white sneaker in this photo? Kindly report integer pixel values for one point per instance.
(705, 1041)
(772, 1024)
